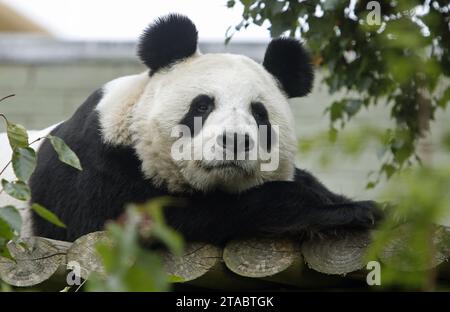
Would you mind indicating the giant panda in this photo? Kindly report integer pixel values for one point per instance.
(123, 136)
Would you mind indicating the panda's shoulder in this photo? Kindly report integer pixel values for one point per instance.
(103, 102)
(122, 89)
(305, 177)
(83, 133)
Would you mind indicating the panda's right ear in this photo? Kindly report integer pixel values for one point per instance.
(169, 39)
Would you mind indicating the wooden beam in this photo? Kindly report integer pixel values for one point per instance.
(246, 264)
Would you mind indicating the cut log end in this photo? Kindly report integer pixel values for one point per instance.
(35, 260)
(83, 253)
(196, 260)
(340, 254)
(260, 257)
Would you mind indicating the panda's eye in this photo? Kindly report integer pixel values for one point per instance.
(203, 104)
(203, 107)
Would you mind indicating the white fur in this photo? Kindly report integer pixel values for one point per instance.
(142, 111)
(9, 175)
(119, 96)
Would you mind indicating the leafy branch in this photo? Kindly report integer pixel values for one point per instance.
(23, 161)
(401, 62)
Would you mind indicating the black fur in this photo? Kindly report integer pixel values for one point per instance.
(201, 106)
(84, 200)
(288, 61)
(261, 116)
(274, 208)
(111, 178)
(168, 40)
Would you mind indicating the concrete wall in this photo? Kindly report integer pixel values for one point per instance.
(52, 78)
(49, 93)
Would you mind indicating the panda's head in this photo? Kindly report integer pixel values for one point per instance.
(212, 121)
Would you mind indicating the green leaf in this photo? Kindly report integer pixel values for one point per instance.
(277, 29)
(352, 106)
(5, 231)
(169, 237)
(65, 154)
(159, 229)
(231, 3)
(446, 141)
(443, 101)
(147, 274)
(24, 162)
(336, 110)
(332, 135)
(17, 135)
(247, 3)
(47, 215)
(388, 169)
(17, 189)
(12, 216)
(276, 7)
(4, 252)
(175, 279)
(330, 5)
(106, 252)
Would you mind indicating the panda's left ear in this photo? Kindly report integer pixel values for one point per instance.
(169, 39)
(290, 63)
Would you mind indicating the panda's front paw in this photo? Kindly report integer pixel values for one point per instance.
(365, 214)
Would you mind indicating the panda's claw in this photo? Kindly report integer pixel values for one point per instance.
(366, 214)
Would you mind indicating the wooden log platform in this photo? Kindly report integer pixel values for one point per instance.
(263, 263)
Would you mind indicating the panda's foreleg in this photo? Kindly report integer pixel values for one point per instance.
(275, 208)
(306, 179)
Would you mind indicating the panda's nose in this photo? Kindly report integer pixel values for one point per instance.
(235, 142)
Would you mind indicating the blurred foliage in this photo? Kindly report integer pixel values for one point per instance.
(422, 200)
(403, 61)
(353, 143)
(128, 264)
(416, 201)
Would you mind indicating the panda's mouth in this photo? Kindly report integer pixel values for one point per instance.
(226, 166)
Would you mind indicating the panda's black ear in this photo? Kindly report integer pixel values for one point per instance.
(290, 63)
(169, 39)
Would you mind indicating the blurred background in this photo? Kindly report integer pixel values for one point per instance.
(54, 53)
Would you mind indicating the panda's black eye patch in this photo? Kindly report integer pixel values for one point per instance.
(259, 112)
(261, 116)
(201, 106)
